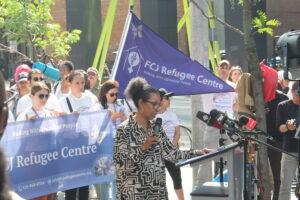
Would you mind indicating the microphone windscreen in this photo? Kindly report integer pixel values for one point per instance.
(243, 120)
(158, 121)
(247, 121)
(203, 116)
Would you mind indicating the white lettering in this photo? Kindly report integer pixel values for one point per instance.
(79, 151)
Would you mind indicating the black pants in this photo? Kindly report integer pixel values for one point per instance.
(83, 193)
(275, 163)
(175, 174)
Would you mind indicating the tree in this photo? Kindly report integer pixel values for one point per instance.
(251, 26)
(29, 23)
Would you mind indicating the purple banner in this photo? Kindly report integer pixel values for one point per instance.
(143, 53)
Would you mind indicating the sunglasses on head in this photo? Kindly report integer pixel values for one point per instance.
(43, 96)
(113, 94)
(37, 79)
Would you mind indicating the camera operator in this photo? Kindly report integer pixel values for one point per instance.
(287, 112)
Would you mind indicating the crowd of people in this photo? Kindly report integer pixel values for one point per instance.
(141, 152)
(34, 96)
(281, 109)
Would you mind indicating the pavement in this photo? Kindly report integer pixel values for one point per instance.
(187, 183)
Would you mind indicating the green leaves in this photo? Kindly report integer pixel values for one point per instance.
(263, 25)
(30, 22)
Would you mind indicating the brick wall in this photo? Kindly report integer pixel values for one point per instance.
(288, 13)
(59, 13)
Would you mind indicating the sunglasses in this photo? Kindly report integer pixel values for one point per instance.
(37, 79)
(43, 96)
(155, 105)
(113, 94)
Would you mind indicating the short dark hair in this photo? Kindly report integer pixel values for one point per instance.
(26, 61)
(138, 88)
(68, 64)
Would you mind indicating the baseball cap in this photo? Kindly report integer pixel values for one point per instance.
(164, 93)
(23, 76)
(21, 68)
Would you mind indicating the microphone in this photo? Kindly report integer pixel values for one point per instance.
(250, 125)
(207, 119)
(247, 121)
(224, 121)
(157, 125)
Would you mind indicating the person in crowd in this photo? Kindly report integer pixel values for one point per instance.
(75, 102)
(5, 192)
(61, 89)
(287, 113)
(23, 88)
(170, 124)
(274, 156)
(21, 68)
(213, 137)
(108, 100)
(86, 88)
(25, 102)
(235, 73)
(93, 78)
(39, 93)
(139, 150)
(283, 83)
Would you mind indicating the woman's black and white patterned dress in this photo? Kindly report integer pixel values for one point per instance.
(141, 176)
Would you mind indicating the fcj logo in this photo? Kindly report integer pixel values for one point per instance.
(133, 60)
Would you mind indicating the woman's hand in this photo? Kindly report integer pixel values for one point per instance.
(151, 140)
(203, 151)
(116, 115)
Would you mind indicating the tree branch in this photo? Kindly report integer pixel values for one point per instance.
(11, 50)
(225, 24)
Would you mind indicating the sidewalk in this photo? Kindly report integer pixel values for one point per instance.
(187, 184)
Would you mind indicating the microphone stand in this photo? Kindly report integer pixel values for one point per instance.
(244, 139)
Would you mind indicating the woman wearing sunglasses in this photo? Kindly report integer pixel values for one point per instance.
(139, 150)
(108, 96)
(39, 94)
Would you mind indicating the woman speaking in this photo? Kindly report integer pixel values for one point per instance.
(140, 148)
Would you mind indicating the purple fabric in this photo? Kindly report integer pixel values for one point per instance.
(143, 53)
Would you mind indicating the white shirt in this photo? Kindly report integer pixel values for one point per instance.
(83, 103)
(30, 112)
(11, 117)
(113, 107)
(58, 92)
(221, 101)
(169, 122)
(26, 102)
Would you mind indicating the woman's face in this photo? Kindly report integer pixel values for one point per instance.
(112, 95)
(150, 108)
(40, 98)
(77, 84)
(235, 75)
